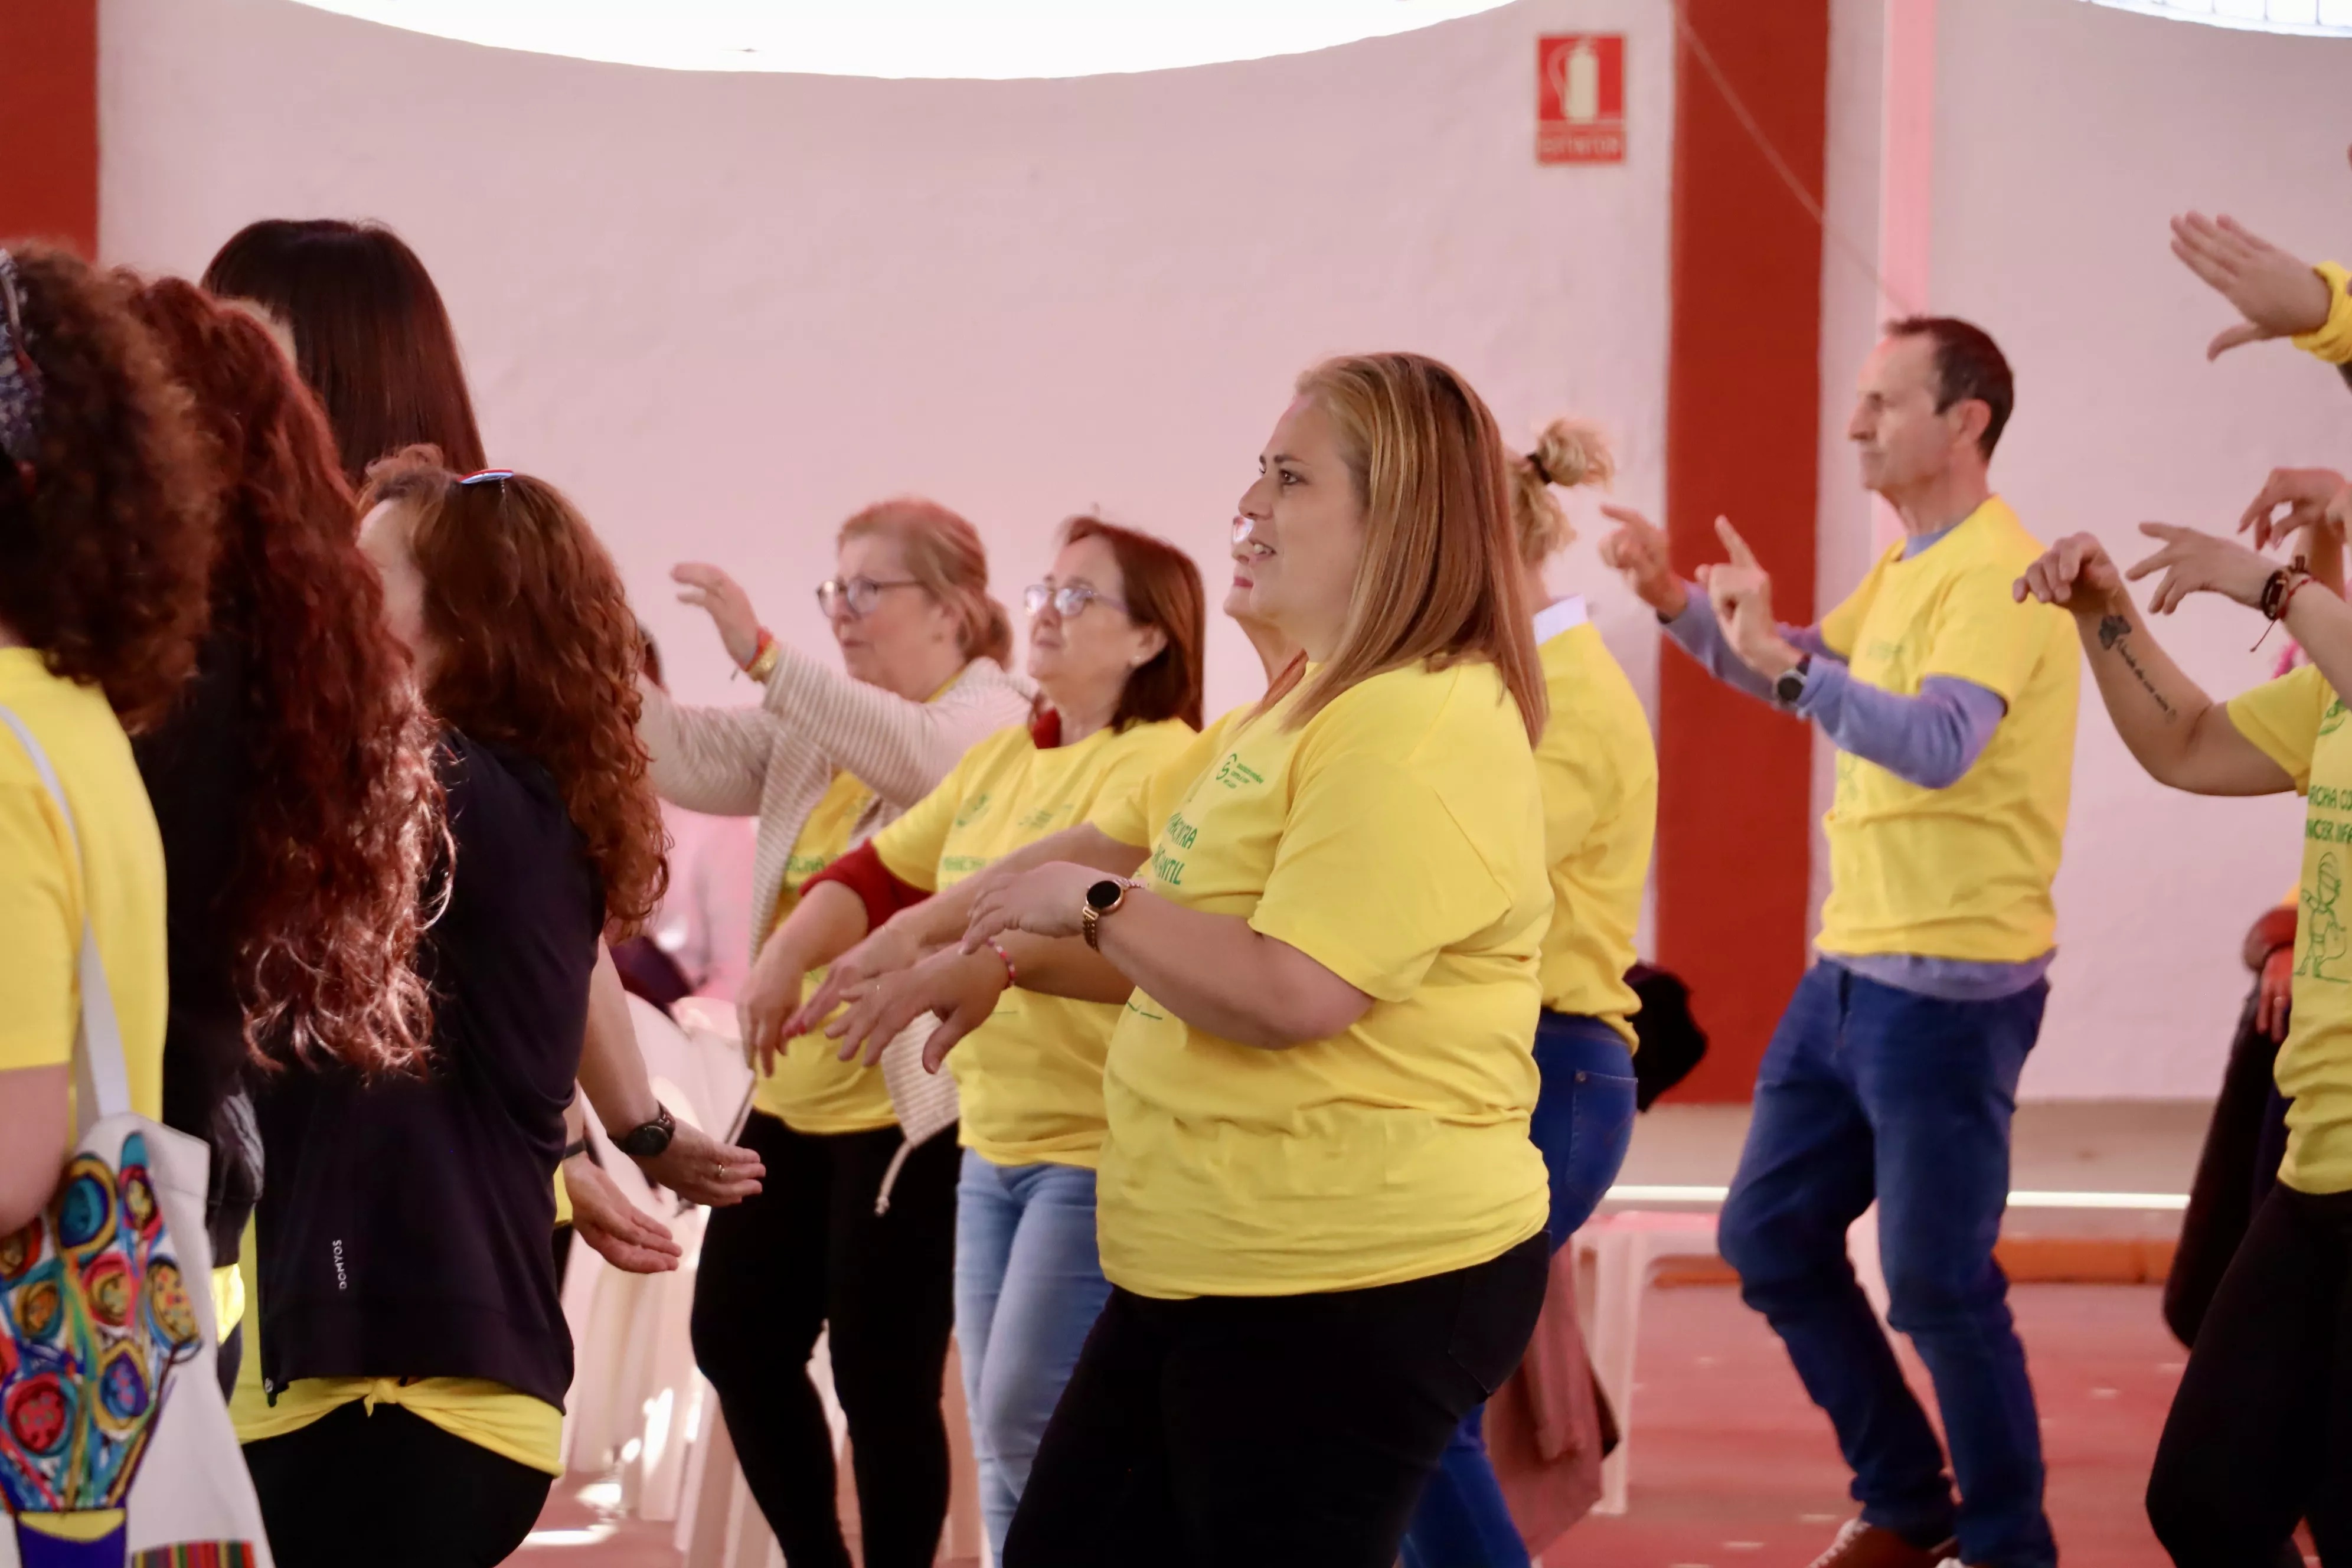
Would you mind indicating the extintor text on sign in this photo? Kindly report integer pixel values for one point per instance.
(1580, 99)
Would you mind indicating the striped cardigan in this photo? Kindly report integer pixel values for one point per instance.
(775, 760)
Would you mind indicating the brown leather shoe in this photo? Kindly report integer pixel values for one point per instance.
(1860, 1545)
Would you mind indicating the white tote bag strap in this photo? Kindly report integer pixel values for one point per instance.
(102, 1082)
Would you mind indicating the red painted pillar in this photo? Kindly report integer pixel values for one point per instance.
(48, 122)
(1743, 404)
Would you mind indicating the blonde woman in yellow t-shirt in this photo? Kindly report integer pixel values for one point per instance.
(1115, 635)
(1320, 1212)
(1599, 772)
(2246, 1451)
(825, 758)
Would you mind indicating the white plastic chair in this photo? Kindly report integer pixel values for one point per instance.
(1618, 1258)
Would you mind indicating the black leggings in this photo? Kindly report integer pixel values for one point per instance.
(807, 1252)
(1247, 1432)
(2260, 1431)
(390, 1490)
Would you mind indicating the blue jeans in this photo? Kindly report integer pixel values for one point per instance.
(1869, 1091)
(1028, 1286)
(1583, 1120)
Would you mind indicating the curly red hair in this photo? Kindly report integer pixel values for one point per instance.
(536, 648)
(322, 913)
(103, 558)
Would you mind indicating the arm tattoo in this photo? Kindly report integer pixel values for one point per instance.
(2112, 631)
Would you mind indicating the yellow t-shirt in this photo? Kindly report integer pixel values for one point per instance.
(1599, 771)
(1964, 872)
(2297, 721)
(487, 1414)
(45, 889)
(813, 1089)
(1397, 839)
(1135, 816)
(1029, 1080)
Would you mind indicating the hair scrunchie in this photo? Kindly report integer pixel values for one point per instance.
(20, 378)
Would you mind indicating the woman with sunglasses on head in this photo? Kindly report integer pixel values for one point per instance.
(1321, 1214)
(1115, 634)
(824, 759)
(413, 1346)
(374, 341)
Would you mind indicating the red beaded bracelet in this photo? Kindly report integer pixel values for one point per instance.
(1012, 974)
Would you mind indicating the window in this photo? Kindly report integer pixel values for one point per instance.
(980, 38)
(2320, 18)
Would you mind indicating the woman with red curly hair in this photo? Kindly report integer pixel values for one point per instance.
(104, 536)
(414, 1346)
(293, 780)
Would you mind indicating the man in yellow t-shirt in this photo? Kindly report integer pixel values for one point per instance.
(1893, 1072)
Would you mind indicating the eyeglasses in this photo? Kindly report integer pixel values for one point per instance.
(1069, 601)
(859, 594)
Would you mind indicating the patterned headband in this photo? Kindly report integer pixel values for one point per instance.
(20, 378)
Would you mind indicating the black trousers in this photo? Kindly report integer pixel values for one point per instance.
(390, 1490)
(2260, 1431)
(1229, 1432)
(808, 1252)
(2235, 1172)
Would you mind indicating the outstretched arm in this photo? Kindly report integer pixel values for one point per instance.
(2182, 737)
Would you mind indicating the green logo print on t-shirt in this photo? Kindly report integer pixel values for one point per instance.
(2325, 941)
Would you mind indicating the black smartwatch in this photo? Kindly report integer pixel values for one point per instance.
(1791, 683)
(1103, 898)
(645, 1140)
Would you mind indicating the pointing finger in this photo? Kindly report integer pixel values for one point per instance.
(1741, 554)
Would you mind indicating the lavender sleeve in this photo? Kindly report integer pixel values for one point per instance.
(1931, 740)
(1700, 634)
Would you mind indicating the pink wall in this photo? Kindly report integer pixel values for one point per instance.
(726, 310)
(2065, 135)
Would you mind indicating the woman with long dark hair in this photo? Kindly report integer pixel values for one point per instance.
(374, 341)
(413, 1344)
(371, 334)
(292, 780)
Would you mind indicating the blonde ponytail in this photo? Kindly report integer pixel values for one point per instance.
(1570, 452)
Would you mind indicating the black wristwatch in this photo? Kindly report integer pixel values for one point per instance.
(1103, 898)
(645, 1141)
(1792, 684)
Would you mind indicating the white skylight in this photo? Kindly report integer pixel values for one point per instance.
(2318, 18)
(983, 39)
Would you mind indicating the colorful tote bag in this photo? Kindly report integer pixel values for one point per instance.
(116, 1449)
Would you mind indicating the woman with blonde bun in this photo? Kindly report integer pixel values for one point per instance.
(1599, 773)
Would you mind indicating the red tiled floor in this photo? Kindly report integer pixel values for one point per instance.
(1733, 1467)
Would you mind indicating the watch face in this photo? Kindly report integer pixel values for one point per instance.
(1102, 895)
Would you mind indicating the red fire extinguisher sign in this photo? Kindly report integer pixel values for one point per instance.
(1580, 99)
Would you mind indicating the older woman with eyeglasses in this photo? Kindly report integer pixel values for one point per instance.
(1115, 638)
(826, 760)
